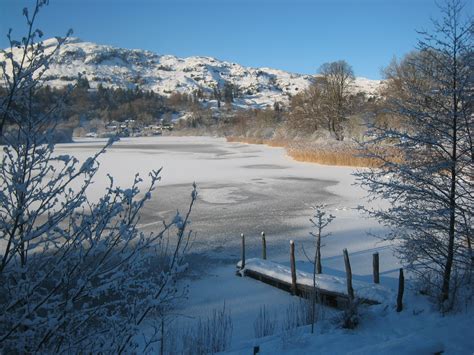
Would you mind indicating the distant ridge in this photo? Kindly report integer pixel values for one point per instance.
(166, 74)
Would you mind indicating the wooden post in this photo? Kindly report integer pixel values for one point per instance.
(264, 247)
(401, 289)
(293, 267)
(375, 264)
(350, 290)
(242, 262)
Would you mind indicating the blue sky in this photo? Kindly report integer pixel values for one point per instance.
(297, 35)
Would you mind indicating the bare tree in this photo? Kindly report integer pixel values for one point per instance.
(338, 77)
(307, 112)
(326, 103)
(430, 182)
(76, 274)
(319, 222)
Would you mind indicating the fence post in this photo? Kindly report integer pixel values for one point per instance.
(242, 262)
(264, 247)
(293, 267)
(350, 290)
(375, 264)
(401, 289)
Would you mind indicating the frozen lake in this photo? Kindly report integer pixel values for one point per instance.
(243, 189)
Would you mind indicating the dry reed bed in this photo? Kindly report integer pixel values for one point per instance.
(328, 153)
(333, 154)
(253, 140)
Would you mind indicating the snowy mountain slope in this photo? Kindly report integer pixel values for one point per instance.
(165, 74)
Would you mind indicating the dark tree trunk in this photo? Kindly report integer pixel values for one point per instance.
(319, 268)
(452, 194)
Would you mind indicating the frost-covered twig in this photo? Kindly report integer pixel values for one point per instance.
(76, 275)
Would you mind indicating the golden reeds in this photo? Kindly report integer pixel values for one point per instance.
(335, 153)
(349, 157)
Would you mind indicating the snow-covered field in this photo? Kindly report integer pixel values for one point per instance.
(253, 188)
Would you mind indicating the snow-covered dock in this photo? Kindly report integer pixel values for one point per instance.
(333, 289)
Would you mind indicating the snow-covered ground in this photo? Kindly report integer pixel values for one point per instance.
(252, 188)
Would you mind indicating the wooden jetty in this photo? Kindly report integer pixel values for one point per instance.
(332, 290)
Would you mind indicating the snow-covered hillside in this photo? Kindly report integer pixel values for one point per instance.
(165, 74)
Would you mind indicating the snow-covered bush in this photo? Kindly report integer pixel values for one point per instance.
(76, 275)
(298, 314)
(265, 323)
(210, 335)
(350, 317)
